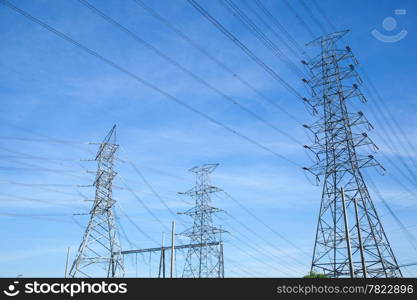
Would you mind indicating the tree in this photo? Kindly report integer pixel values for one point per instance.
(315, 275)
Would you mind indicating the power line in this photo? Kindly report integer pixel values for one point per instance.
(122, 230)
(237, 266)
(313, 17)
(31, 199)
(142, 81)
(34, 167)
(243, 225)
(259, 34)
(394, 121)
(245, 49)
(35, 157)
(407, 227)
(338, 162)
(183, 69)
(406, 166)
(42, 187)
(43, 217)
(323, 14)
(81, 46)
(383, 104)
(186, 38)
(390, 130)
(34, 215)
(156, 194)
(254, 257)
(410, 237)
(388, 141)
(234, 219)
(265, 224)
(255, 246)
(407, 207)
(44, 137)
(143, 204)
(392, 145)
(137, 226)
(39, 139)
(280, 27)
(150, 187)
(272, 30)
(300, 20)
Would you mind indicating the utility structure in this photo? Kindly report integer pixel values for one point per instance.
(162, 269)
(350, 240)
(206, 260)
(99, 254)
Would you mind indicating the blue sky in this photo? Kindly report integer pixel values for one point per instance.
(56, 98)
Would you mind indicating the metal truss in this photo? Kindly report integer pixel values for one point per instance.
(99, 254)
(350, 240)
(162, 262)
(207, 260)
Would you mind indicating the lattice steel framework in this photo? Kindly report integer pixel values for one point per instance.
(206, 260)
(350, 240)
(99, 254)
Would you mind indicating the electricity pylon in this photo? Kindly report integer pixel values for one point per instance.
(207, 259)
(100, 249)
(350, 240)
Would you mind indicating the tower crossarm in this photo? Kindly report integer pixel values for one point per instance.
(99, 254)
(350, 240)
(203, 261)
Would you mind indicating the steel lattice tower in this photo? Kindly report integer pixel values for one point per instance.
(206, 260)
(350, 240)
(100, 249)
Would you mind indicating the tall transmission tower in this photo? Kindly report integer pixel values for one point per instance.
(350, 240)
(100, 249)
(207, 259)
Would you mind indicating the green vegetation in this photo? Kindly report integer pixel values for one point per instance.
(315, 275)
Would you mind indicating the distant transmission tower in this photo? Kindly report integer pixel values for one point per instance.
(100, 252)
(350, 240)
(207, 259)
